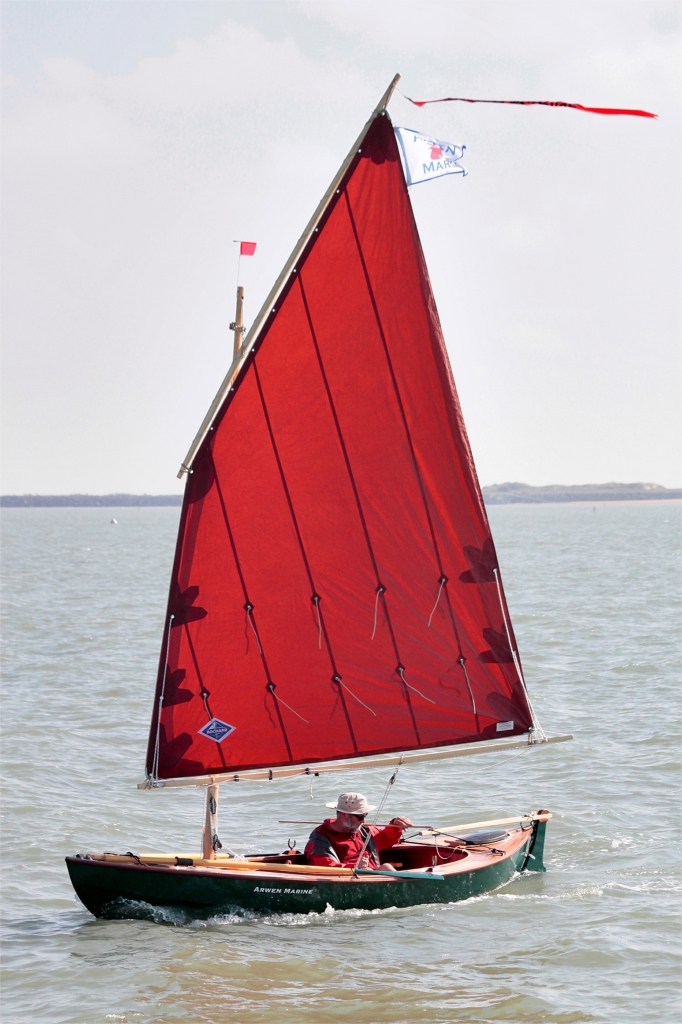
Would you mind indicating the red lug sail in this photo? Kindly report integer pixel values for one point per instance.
(335, 591)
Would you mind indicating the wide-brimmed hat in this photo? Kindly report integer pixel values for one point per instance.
(352, 803)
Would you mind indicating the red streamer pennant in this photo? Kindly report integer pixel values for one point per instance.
(537, 103)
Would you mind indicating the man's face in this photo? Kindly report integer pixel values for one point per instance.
(349, 822)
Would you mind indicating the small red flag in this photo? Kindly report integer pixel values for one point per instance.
(247, 248)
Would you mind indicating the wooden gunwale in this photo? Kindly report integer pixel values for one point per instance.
(474, 858)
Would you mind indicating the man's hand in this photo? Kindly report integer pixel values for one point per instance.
(402, 822)
(364, 861)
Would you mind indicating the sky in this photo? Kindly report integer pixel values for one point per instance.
(140, 137)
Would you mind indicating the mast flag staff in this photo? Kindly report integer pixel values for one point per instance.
(237, 325)
(535, 103)
(245, 249)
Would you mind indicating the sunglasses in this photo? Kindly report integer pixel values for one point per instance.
(360, 817)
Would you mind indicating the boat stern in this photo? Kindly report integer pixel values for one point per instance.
(536, 848)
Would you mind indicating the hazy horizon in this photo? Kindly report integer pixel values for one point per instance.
(140, 139)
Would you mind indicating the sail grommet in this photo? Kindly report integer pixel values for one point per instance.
(316, 598)
(248, 607)
(443, 580)
(336, 678)
(270, 686)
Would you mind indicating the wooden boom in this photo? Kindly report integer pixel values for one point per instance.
(392, 761)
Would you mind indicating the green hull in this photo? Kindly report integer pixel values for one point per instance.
(115, 890)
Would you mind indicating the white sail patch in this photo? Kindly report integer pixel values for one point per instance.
(217, 730)
(504, 726)
(425, 158)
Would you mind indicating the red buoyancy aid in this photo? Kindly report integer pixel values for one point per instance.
(329, 848)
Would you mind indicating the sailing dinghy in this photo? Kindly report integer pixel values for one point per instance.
(335, 599)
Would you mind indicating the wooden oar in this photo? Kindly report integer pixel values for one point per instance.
(429, 829)
(545, 816)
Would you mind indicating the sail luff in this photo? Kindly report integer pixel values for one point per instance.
(357, 764)
(266, 309)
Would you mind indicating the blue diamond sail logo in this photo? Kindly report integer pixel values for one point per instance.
(217, 730)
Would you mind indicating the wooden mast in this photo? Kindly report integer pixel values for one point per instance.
(237, 324)
(210, 843)
(209, 840)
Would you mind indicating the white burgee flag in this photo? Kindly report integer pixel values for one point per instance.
(427, 158)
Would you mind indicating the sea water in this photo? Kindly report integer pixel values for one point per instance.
(594, 594)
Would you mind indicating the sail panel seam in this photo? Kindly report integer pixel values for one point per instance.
(248, 606)
(381, 589)
(408, 435)
(204, 694)
(403, 416)
(304, 556)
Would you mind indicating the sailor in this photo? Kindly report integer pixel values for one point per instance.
(338, 841)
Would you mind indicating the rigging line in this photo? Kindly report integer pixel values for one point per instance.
(288, 706)
(462, 662)
(380, 808)
(155, 762)
(536, 724)
(315, 598)
(355, 697)
(376, 607)
(344, 450)
(271, 690)
(442, 582)
(248, 611)
(401, 672)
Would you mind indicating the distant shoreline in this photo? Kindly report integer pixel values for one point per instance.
(89, 500)
(497, 494)
(525, 494)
